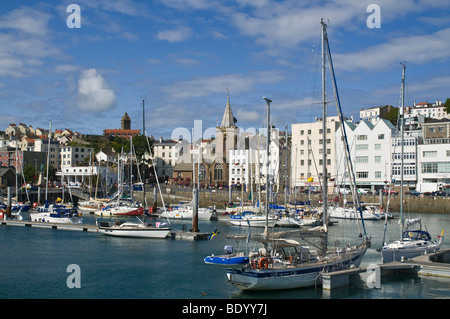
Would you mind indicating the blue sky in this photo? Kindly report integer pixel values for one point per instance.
(182, 56)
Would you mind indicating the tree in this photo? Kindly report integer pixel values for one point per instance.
(447, 106)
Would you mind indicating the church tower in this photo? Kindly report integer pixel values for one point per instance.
(125, 122)
(227, 133)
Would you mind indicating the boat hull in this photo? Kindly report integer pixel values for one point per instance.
(202, 215)
(120, 212)
(160, 233)
(305, 275)
(345, 213)
(390, 254)
(227, 260)
(251, 221)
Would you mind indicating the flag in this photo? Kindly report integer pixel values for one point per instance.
(214, 233)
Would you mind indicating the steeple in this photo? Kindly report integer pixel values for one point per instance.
(228, 118)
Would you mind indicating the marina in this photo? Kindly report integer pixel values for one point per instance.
(41, 244)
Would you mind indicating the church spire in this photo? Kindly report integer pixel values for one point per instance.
(228, 118)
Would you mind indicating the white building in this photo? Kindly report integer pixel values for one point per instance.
(307, 151)
(73, 155)
(430, 110)
(243, 165)
(434, 157)
(166, 155)
(370, 152)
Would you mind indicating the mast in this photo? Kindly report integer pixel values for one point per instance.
(143, 152)
(402, 123)
(266, 228)
(48, 159)
(324, 132)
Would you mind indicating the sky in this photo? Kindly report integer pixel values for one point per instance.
(177, 60)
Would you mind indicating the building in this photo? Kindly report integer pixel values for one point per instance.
(371, 149)
(248, 165)
(430, 110)
(74, 155)
(374, 114)
(307, 152)
(434, 157)
(214, 162)
(125, 128)
(166, 154)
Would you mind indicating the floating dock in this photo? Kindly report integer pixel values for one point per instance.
(435, 264)
(174, 234)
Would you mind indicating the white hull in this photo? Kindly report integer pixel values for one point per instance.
(46, 218)
(134, 230)
(306, 275)
(398, 250)
(203, 214)
(144, 233)
(289, 222)
(347, 213)
(253, 221)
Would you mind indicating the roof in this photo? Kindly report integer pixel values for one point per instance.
(228, 118)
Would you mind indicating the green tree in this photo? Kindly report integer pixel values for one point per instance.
(30, 173)
(447, 106)
(392, 115)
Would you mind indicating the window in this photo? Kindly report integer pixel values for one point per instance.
(429, 153)
(218, 172)
(361, 137)
(377, 174)
(377, 159)
(362, 174)
(362, 159)
(381, 136)
(378, 146)
(362, 147)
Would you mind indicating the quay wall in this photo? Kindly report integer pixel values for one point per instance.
(411, 204)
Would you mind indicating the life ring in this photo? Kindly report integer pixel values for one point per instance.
(263, 263)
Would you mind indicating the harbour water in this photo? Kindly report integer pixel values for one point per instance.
(34, 265)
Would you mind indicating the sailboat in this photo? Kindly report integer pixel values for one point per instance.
(284, 263)
(412, 243)
(54, 213)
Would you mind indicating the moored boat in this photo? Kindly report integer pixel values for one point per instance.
(131, 229)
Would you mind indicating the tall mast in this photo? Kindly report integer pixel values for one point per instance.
(143, 151)
(402, 123)
(48, 159)
(324, 130)
(266, 229)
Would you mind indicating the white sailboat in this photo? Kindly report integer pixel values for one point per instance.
(412, 243)
(285, 263)
(187, 212)
(133, 229)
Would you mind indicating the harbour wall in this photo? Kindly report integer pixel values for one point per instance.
(411, 204)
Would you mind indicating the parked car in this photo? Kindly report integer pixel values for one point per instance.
(414, 193)
(389, 191)
(365, 191)
(439, 193)
(344, 191)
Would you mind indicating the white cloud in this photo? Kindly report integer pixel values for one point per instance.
(175, 35)
(416, 49)
(208, 85)
(94, 93)
(27, 20)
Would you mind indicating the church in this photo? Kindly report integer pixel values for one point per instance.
(125, 128)
(214, 164)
